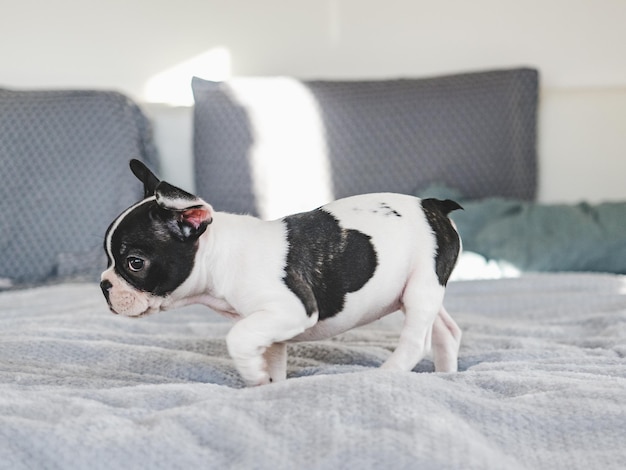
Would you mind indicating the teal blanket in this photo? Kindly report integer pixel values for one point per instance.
(542, 237)
(535, 237)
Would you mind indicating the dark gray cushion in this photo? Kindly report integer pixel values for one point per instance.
(64, 158)
(475, 132)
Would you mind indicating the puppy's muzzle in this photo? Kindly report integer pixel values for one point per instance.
(106, 287)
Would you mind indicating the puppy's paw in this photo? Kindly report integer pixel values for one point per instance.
(257, 378)
(263, 379)
(253, 371)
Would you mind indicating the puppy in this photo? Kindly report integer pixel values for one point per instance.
(304, 277)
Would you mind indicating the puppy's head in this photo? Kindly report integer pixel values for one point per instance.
(152, 246)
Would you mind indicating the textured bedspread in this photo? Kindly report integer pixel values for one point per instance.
(542, 384)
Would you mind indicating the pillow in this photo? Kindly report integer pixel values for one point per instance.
(271, 146)
(64, 158)
(516, 236)
(536, 237)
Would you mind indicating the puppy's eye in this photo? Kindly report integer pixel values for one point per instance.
(135, 264)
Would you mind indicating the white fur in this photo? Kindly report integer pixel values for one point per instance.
(239, 271)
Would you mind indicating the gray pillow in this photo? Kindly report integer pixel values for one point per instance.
(64, 158)
(474, 131)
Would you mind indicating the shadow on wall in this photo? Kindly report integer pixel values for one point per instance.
(274, 146)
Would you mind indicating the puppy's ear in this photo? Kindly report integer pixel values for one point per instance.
(190, 215)
(143, 173)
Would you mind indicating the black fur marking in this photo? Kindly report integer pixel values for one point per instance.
(164, 190)
(388, 210)
(448, 243)
(383, 209)
(325, 262)
(151, 234)
(143, 174)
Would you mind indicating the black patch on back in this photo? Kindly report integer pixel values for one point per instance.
(448, 243)
(146, 233)
(325, 262)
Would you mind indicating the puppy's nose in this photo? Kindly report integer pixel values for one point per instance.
(106, 288)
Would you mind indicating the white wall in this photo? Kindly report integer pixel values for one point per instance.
(135, 46)
(582, 145)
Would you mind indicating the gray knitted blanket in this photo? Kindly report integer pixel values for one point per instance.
(542, 385)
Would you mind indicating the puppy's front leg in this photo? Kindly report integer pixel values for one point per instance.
(276, 358)
(258, 337)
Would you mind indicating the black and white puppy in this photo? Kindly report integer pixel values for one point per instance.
(305, 277)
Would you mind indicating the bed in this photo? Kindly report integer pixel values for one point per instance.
(542, 368)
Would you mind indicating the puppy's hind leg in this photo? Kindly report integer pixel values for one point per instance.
(421, 302)
(446, 342)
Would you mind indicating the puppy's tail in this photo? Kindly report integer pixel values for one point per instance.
(448, 241)
(444, 207)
